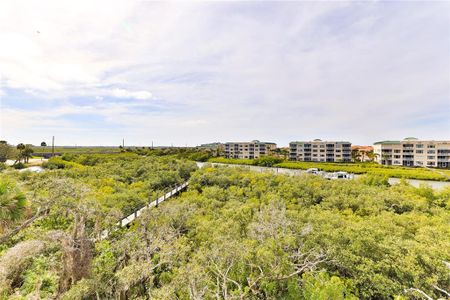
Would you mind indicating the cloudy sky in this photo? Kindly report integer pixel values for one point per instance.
(94, 72)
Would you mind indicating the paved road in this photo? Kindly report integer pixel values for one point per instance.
(414, 182)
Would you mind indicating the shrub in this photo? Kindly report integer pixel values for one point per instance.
(14, 262)
(222, 160)
(58, 163)
(375, 180)
(267, 161)
(19, 166)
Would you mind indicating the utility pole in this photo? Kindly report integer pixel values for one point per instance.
(123, 143)
(53, 146)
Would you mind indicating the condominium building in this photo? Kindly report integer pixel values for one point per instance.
(412, 152)
(320, 151)
(253, 149)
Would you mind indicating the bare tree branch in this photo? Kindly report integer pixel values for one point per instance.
(442, 290)
(40, 212)
(418, 291)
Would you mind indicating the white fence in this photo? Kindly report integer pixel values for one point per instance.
(127, 220)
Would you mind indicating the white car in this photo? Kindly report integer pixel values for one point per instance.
(312, 171)
(339, 175)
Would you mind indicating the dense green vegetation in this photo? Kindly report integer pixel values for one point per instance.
(77, 150)
(196, 154)
(48, 238)
(21, 153)
(355, 168)
(235, 234)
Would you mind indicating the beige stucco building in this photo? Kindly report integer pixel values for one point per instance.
(412, 152)
(250, 150)
(320, 151)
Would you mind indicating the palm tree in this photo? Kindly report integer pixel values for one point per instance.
(372, 155)
(356, 155)
(20, 156)
(12, 204)
(28, 152)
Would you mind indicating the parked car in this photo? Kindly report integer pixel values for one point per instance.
(312, 171)
(338, 175)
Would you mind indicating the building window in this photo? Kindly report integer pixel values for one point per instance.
(431, 146)
(430, 151)
(419, 146)
(419, 151)
(430, 157)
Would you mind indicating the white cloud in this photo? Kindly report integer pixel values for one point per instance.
(122, 93)
(225, 71)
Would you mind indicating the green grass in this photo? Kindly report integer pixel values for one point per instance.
(355, 168)
(77, 150)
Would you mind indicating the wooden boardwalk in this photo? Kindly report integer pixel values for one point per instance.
(127, 220)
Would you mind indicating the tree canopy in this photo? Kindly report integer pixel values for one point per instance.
(235, 234)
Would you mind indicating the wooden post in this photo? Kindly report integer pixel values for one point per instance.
(53, 146)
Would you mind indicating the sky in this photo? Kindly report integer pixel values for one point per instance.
(186, 73)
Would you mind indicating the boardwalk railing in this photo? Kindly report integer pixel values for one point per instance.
(127, 220)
